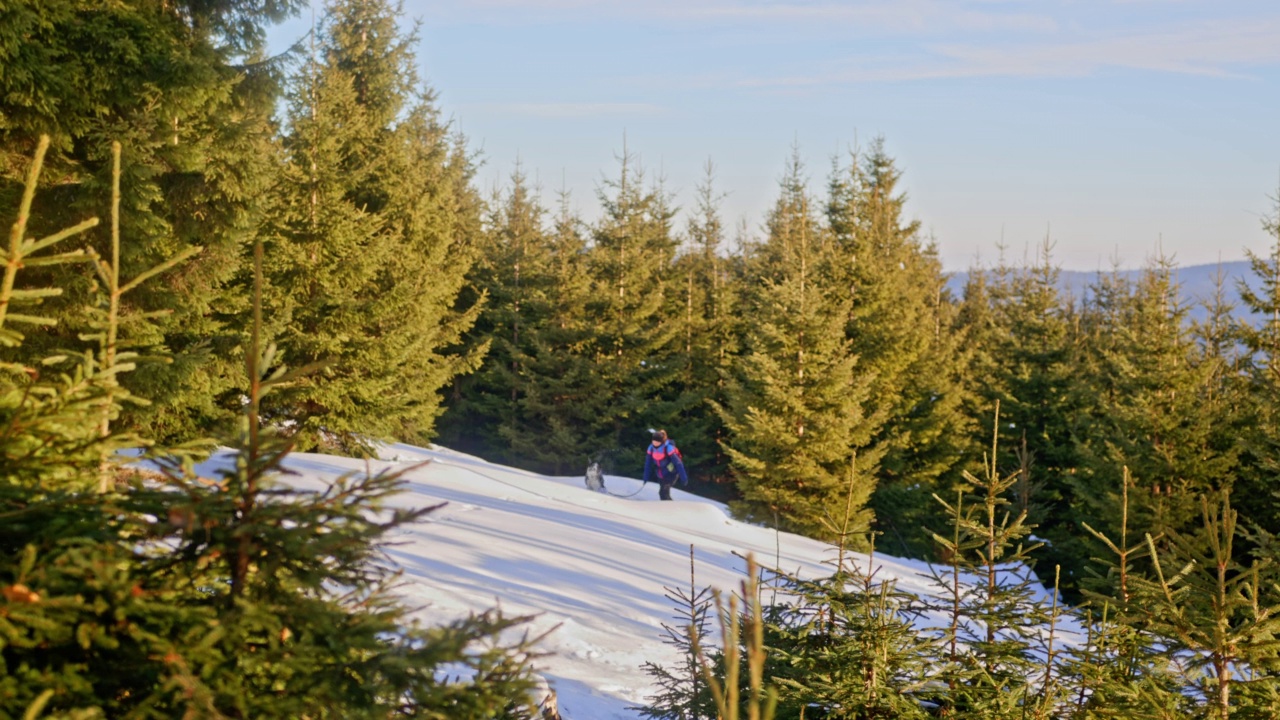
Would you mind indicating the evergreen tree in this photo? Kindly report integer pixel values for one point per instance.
(185, 87)
(979, 324)
(1221, 614)
(1220, 350)
(1146, 403)
(1123, 669)
(634, 300)
(565, 398)
(900, 327)
(708, 336)
(534, 401)
(185, 596)
(990, 665)
(370, 240)
(1260, 452)
(846, 645)
(1029, 369)
(795, 405)
(512, 274)
(737, 693)
(683, 694)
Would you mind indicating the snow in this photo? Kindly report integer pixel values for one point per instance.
(590, 566)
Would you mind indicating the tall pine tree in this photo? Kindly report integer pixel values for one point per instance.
(372, 234)
(1145, 402)
(1028, 368)
(533, 402)
(709, 334)
(901, 328)
(633, 308)
(187, 90)
(1260, 467)
(795, 409)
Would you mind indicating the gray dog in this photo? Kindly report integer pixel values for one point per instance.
(595, 477)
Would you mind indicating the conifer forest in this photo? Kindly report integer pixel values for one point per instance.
(212, 246)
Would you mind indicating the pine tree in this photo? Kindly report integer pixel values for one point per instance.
(846, 645)
(708, 336)
(979, 324)
(633, 302)
(308, 623)
(1145, 402)
(75, 635)
(900, 327)
(742, 626)
(1123, 669)
(1031, 374)
(369, 242)
(512, 275)
(186, 88)
(51, 407)
(1261, 337)
(682, 693)
(533, 402)
(795, 405)
(1221, 614)
(186, 596)
(990, 665)
(565, 398)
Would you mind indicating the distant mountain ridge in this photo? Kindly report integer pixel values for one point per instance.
(1197, 283)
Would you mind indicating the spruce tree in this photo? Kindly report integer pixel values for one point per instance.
(558, 426)
(1220, 612)
(51, 407)
(708, 337)
(533, 402)
(683, 694)
(1261, 337)
(308, 622)
(1029, 369)
(1123, 669)
(512, 275)
(186, 88)
(900, 326)
(633, 306)
(188, 596)
(795, 409)
(993, 617)
(369, 242)
(1146, 403)
(741, 623)
(846, 645)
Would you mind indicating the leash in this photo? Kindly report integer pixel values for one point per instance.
(607, 491)
(468, 468)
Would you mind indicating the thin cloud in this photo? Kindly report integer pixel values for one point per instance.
(1205, 49)
(906, 16)
(565, 110)
(1209, 48)
(898, 16)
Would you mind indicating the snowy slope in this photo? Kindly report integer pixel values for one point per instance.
(589, 564)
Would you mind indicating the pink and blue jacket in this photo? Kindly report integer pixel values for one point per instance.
(664, 461)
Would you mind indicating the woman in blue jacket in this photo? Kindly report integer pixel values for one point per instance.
(662, 462)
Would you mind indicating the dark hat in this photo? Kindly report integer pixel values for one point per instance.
(659, 435)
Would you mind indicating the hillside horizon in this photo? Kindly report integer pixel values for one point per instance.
(1197, 284)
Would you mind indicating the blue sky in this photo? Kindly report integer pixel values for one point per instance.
(1112, 126)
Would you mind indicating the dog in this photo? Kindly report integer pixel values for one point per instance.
(595, 477)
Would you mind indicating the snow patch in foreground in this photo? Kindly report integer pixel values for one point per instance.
(591, 565)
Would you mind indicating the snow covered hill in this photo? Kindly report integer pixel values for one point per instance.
(591, 565)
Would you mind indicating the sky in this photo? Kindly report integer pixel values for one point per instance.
(594, 569)
(1113, 128)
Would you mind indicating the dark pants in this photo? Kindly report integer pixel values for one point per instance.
(664, 490)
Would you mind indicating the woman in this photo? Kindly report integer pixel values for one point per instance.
(664, 459)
